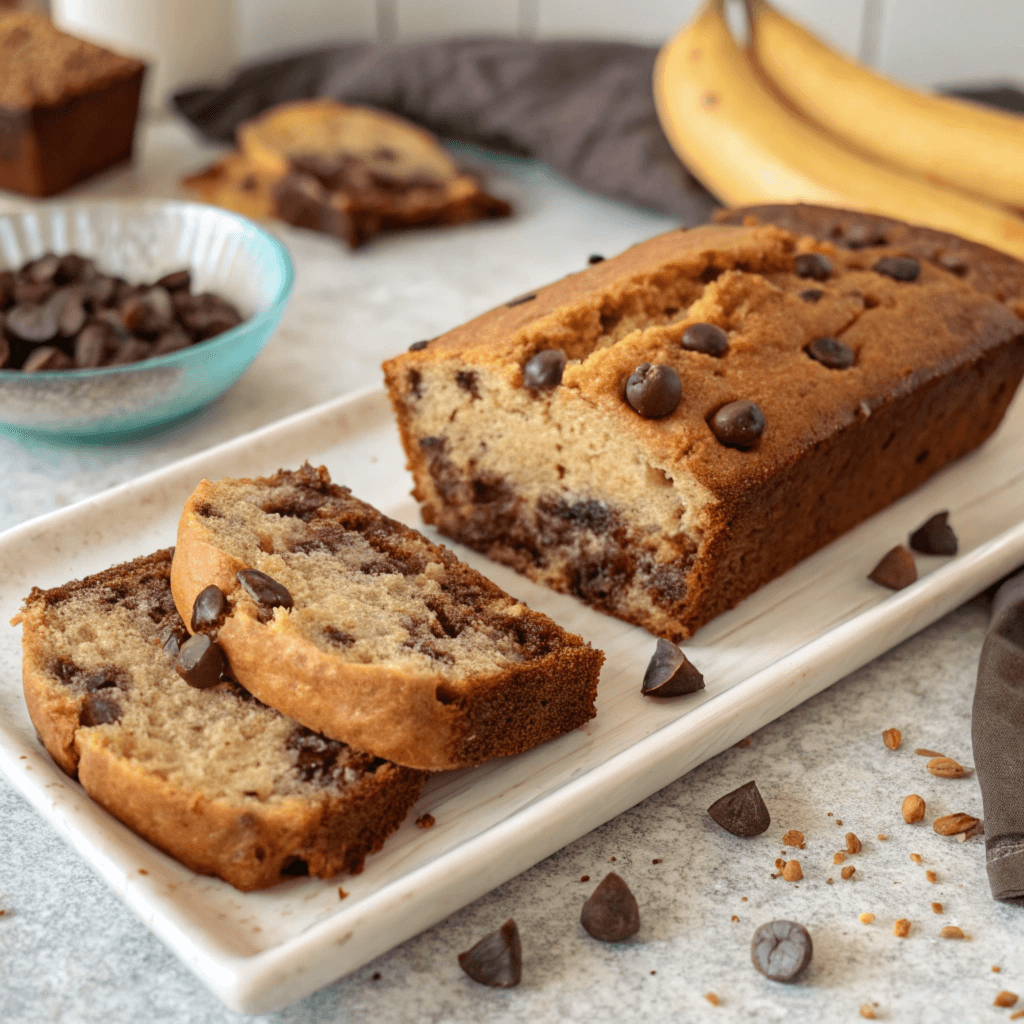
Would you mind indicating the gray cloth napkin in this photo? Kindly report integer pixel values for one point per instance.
(997, 732)
(584, 108)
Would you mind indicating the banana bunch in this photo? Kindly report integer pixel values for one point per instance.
(796, 122)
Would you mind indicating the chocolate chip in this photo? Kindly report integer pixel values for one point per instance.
(73, 267)
(742, 812)
(178, 281)
(896, 570)
(497, 959)
(544, 370)
(34, 324)
(595, 259)
(101, 679)
(98, 709)
(171, 638)
(654, 390)
(611, 914)
(72, 317)
(200, 662)
(780, 950)
(899, 268)
(174, 339)
(670, 674)
(264, 590)
(418, 346)
(315, 755)
(707, 338)
(811, 294)
(209, 608)
(862, 236)
(149, 313)
(953, 263)
(831, 353)
(935, 537)
(520, 299)
(5, 349)
(738, 424)
(813, 265)
(47, 357)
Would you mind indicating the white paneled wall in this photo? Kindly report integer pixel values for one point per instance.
(268, 26)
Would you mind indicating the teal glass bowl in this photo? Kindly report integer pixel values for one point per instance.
(141, 241)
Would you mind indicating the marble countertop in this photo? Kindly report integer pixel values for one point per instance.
(71, 952)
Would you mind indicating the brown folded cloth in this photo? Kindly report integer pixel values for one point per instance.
(584, 108)
(997, 732)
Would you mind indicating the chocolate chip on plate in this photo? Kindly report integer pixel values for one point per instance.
(670, 674)
(707, 338)
(935, 537)
(896, 570)
(832, 353)
(813, 265)
(654, 390)
(99, 709)
(497, 959)
(418, 346)
(264, 589)
(200, 662)
(738, 424)
(742, 812)
(208, 608)
(595, 259)
(34, 324)
(611, 914)
(47, 357)
(811, 294)
(780, 950)
(544, 370)
(899, 268)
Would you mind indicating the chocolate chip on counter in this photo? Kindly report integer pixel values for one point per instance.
(98, 709)
(738, 424)
(178, 281)
(780, 950)
(520, 299)
(497, 959)
(832, 353)
(200, 662)
(264, 589)
(707, 338)
(896, 570)
(47, 357)
(611, 914)
(654, 390)
(899, 268)
(34, 324)
(935, 537)
(670, 674)
(742, 812)
(544, 370)
(209, 608)
(595, 259)
(418, 346)
(811, 294)
(813, 265)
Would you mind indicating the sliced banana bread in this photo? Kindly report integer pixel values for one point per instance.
(212, 776)
(364, 630)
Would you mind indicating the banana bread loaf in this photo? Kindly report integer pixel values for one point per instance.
(211, 776)
(664, 432)
(365, 631)
(67, 107)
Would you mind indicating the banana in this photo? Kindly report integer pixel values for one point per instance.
(748, 147)
(945, 140)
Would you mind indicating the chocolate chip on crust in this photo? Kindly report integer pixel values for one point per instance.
(209, 608)
(520, 299)
(811, 294)
(200, 662)
(497, 959)
(596, 258)
(831, 353)
(654, 390)
(707, 338)
(264, 589)
(418, 346)
(899, 268)
(611, 914)
(935, 537)
(742, 812)
(813, 265)
(544, 370)
(896, 570)
(738, 424)
(670, 674)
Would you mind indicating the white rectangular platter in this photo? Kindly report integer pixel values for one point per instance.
(261, 951)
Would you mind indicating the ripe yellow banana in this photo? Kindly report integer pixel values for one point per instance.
(960, 144)
(747, 147)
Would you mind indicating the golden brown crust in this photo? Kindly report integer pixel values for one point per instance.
(414, 719)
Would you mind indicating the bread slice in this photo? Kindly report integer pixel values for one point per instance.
(213, 777)
(391, 643)
(668, 430)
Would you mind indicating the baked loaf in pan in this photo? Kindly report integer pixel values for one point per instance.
(67, 107)
(787, 389)
(213, 777)
(369, 633)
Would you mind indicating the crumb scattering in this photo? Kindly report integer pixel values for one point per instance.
(143, 871)
(1005, 998)
(865, 918)
(867, 1012)
(925, 752)
(793, 838)
(611, 860)
(792, 872)
(712, 999)
(1016, 1015)
(584, 878)
(745, 742)
(892, 738)
(882, 837)
(839, 821)
(951, 931)
(735, 918)
(916, 858)
(828, 881)
(341, 893)
(847, 872)
(376, 976)
(838, 858)
(425, 821)
(996, 970)
(931, 876)
(901, 929)
(743, 899)
(937, 909)
(853, 844)
(657, 860)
